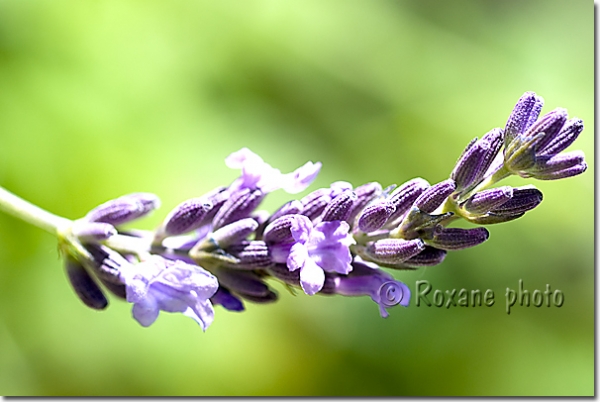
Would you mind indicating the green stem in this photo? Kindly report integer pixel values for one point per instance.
(32, 214)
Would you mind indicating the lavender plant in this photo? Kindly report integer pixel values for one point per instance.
(217, 249)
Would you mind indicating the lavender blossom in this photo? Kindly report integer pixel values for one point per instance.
(171, 286)
(324, 247)
(257, 174)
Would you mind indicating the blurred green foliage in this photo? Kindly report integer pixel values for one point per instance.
(102, 98)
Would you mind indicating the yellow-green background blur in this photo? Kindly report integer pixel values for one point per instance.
(102, 98)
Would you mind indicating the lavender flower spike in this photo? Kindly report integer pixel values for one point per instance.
(256, 173)
(175, 287)
(324, 247)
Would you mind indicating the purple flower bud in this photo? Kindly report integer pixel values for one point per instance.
(476, 160)
(523, 200)
(251, 254)
(92, 231)
(289, 208)
(485, 201)
(567, 135)
(520, 154)
(244, 283)
(457, 239)
(84, 286)
(340, 207)
(238, 206)
(434, 196)
(185, 217)
(524, 114)
(224, 298)
(393, 251)
(278, 231)
(234, 232)
(549, 126)
(405, 195)
(124, 209)
(314, 203)
(430, 256)
(365, 194)
(559, 166)
(375, 216)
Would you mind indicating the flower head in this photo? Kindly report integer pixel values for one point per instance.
(172, 286)
(315, 249)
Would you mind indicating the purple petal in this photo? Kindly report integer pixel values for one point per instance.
(298, 256)
(301, 178)
(301, 228)
(145, 312)
(312, 278)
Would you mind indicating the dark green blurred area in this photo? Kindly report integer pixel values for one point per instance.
(103, 98)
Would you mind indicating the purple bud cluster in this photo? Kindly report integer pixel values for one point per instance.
(218, 249)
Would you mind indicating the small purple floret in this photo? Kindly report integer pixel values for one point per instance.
(171, 286)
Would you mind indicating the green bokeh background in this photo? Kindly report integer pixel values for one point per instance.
(102, 98)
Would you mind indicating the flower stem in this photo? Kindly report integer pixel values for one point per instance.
(32, 214)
